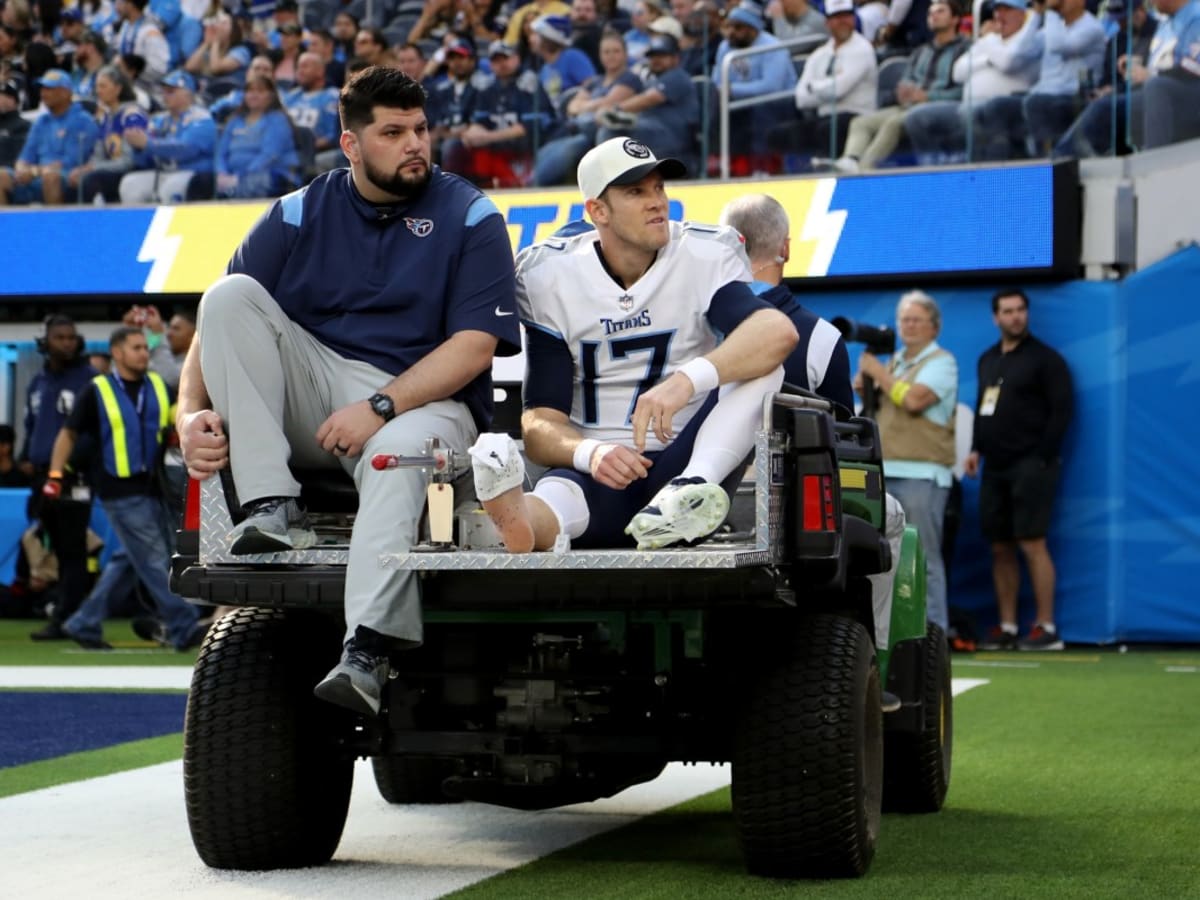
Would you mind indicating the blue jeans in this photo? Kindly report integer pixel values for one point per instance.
(925, 508)
(1047, 117)
(663, 140)
(1102, 128)
(1171, 110)
(558, 160)
(141, 524)
(1000, 129)
(936, 130)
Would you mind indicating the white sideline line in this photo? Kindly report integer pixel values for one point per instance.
(962, 685)
(128, 838)
(116, 677)
(171, 677)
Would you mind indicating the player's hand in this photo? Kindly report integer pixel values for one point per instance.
(657, 406)
(52, 489)
(971, 464)
(203, 442)
(347, 431)
(618, 467)
(226, 182)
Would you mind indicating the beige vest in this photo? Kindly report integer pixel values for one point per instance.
(912, 436)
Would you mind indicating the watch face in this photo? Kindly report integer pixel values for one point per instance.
(383, 406)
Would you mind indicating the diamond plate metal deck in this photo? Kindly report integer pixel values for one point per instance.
(216, 524)
(764, 549)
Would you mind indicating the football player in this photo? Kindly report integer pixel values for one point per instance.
(647, 359)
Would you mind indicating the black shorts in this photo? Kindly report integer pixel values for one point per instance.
(1016, 501)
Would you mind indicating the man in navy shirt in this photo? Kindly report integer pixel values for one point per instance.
(666, 113)
(50, 399)
(364, 309)
(820, 363)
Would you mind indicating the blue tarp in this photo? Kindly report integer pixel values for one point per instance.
(1126, 534)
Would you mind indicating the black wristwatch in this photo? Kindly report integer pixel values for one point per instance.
(383, 406)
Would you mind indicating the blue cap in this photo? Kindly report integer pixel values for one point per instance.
(747, 14)
(71, 14)
(554, 28)
(1015, 4)
(499, 48)
(179, 79)
(56, 78)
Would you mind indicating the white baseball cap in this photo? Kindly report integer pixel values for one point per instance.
(833, 7)
(622, 160)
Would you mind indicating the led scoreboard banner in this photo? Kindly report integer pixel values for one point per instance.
(962, 224)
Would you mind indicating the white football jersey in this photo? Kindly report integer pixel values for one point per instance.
(623, 342)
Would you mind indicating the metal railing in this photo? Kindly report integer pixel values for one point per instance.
(727, 105)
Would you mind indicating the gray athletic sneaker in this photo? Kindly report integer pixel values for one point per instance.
(357, 681)
(271, 525)
(686, 510)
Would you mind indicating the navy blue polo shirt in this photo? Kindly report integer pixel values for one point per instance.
(388, 285)
(820, 351)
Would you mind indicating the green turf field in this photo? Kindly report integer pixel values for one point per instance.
(1075, 776)
(16, 649)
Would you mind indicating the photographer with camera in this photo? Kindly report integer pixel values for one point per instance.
(916, 393)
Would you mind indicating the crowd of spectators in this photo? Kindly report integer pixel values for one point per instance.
(171, 100)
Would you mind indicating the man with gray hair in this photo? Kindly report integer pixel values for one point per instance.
(918, 391)
(820, 362)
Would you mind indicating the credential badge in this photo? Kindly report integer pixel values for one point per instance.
(419, 227)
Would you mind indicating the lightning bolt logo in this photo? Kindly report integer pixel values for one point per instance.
(160, 248)
(821, 230)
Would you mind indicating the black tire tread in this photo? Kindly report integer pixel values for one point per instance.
(917, 765)
(266, 786)
(806, 785)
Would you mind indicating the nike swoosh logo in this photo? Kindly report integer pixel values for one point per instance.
(500, 312)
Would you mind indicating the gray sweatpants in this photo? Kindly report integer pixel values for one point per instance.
(274, 384)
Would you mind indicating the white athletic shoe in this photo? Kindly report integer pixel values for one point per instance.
(497, 464)
(686, 509)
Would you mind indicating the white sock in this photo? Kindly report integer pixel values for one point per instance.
(727, 435)
(1008, 627)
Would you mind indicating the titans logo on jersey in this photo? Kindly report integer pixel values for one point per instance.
(624, 341)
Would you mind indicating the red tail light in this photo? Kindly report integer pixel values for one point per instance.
(191, 506)
(818, 503)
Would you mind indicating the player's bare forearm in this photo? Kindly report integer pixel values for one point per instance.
(64, 445)
(447, 369)
(550, 438)
(759, 345)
